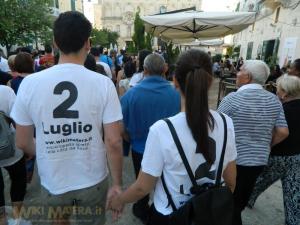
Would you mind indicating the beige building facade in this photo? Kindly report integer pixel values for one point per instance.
(274, 37)
(118, 15)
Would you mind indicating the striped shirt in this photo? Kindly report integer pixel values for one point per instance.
(255, 112)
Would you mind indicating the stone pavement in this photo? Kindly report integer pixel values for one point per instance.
(267, 211)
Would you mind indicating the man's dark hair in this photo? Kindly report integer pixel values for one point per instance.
(100, 69)
(71, 30)
(122, 51)
(25, 49)
(24, 63)
(95, 51)
(90, 62)
(129, 69)
(142, 55)
(48, 49)
(100, 49)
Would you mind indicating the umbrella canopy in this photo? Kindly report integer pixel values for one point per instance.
(189, 25)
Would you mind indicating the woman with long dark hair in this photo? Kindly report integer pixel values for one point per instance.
(200, 132)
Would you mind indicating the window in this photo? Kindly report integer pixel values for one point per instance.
(73, 8)
(163, 9)
(118, 29)
(277, 14)
(56, 4)
(249, 50)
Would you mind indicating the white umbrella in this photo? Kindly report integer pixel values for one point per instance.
(189, 25)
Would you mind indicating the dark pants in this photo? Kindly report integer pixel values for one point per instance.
(141, 205)
(245, 181)
(17, 174)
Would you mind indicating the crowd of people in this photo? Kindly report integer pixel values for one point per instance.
(77, 113)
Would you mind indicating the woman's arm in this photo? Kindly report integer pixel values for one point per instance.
(144, 185)
(229, 175)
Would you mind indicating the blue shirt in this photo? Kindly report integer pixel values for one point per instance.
(106, 59)
(15, 83)
(152, 99)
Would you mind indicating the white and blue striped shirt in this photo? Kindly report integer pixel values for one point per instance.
(255, 112)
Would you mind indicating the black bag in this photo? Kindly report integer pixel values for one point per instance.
(212, 204)
(7, 138)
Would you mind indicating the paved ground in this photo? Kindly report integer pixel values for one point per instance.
(267, 211)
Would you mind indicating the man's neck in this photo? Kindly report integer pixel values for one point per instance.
(71, 58)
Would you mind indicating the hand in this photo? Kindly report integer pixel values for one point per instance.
(112, 192)
(117, 206)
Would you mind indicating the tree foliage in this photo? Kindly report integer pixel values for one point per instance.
(24, 21)
(141, 39)
(104, 37)
(172, 53)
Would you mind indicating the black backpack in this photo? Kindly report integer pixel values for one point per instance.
(7, 138)
(212, 204)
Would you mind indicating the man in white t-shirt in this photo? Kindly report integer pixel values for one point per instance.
(71, 108)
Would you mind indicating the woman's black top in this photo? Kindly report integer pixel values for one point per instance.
(291, 145)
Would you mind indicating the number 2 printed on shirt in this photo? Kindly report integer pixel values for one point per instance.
(62, 111)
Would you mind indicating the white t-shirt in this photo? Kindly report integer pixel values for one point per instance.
(136, 78)
(161, 155)
(7, 99)
(4, 65)
(106, 69)
(68, 104)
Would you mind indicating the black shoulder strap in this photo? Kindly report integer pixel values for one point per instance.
(186, 164)
(171, 202)
(181, 152)
(220, 167)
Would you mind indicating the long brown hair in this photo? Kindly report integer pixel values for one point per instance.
(194, 75)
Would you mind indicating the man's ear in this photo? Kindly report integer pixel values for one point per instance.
(54, 44)
(87, 45)
(145, 72)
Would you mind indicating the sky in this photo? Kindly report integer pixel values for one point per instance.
(219, 5)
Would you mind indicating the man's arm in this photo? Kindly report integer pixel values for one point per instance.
(113, 142)
(25, 139)
(279, 134)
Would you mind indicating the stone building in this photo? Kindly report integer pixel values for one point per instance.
(118, 15)
(276, 36)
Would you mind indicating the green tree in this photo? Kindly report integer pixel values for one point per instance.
(24, 21)
(104, 37)
(229, 51)
(140, 38)
(148, 41)
(172, 53)
(139, 32)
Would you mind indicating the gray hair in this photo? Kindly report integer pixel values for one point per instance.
(154, 64)
(258, 70)
(290, 84)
